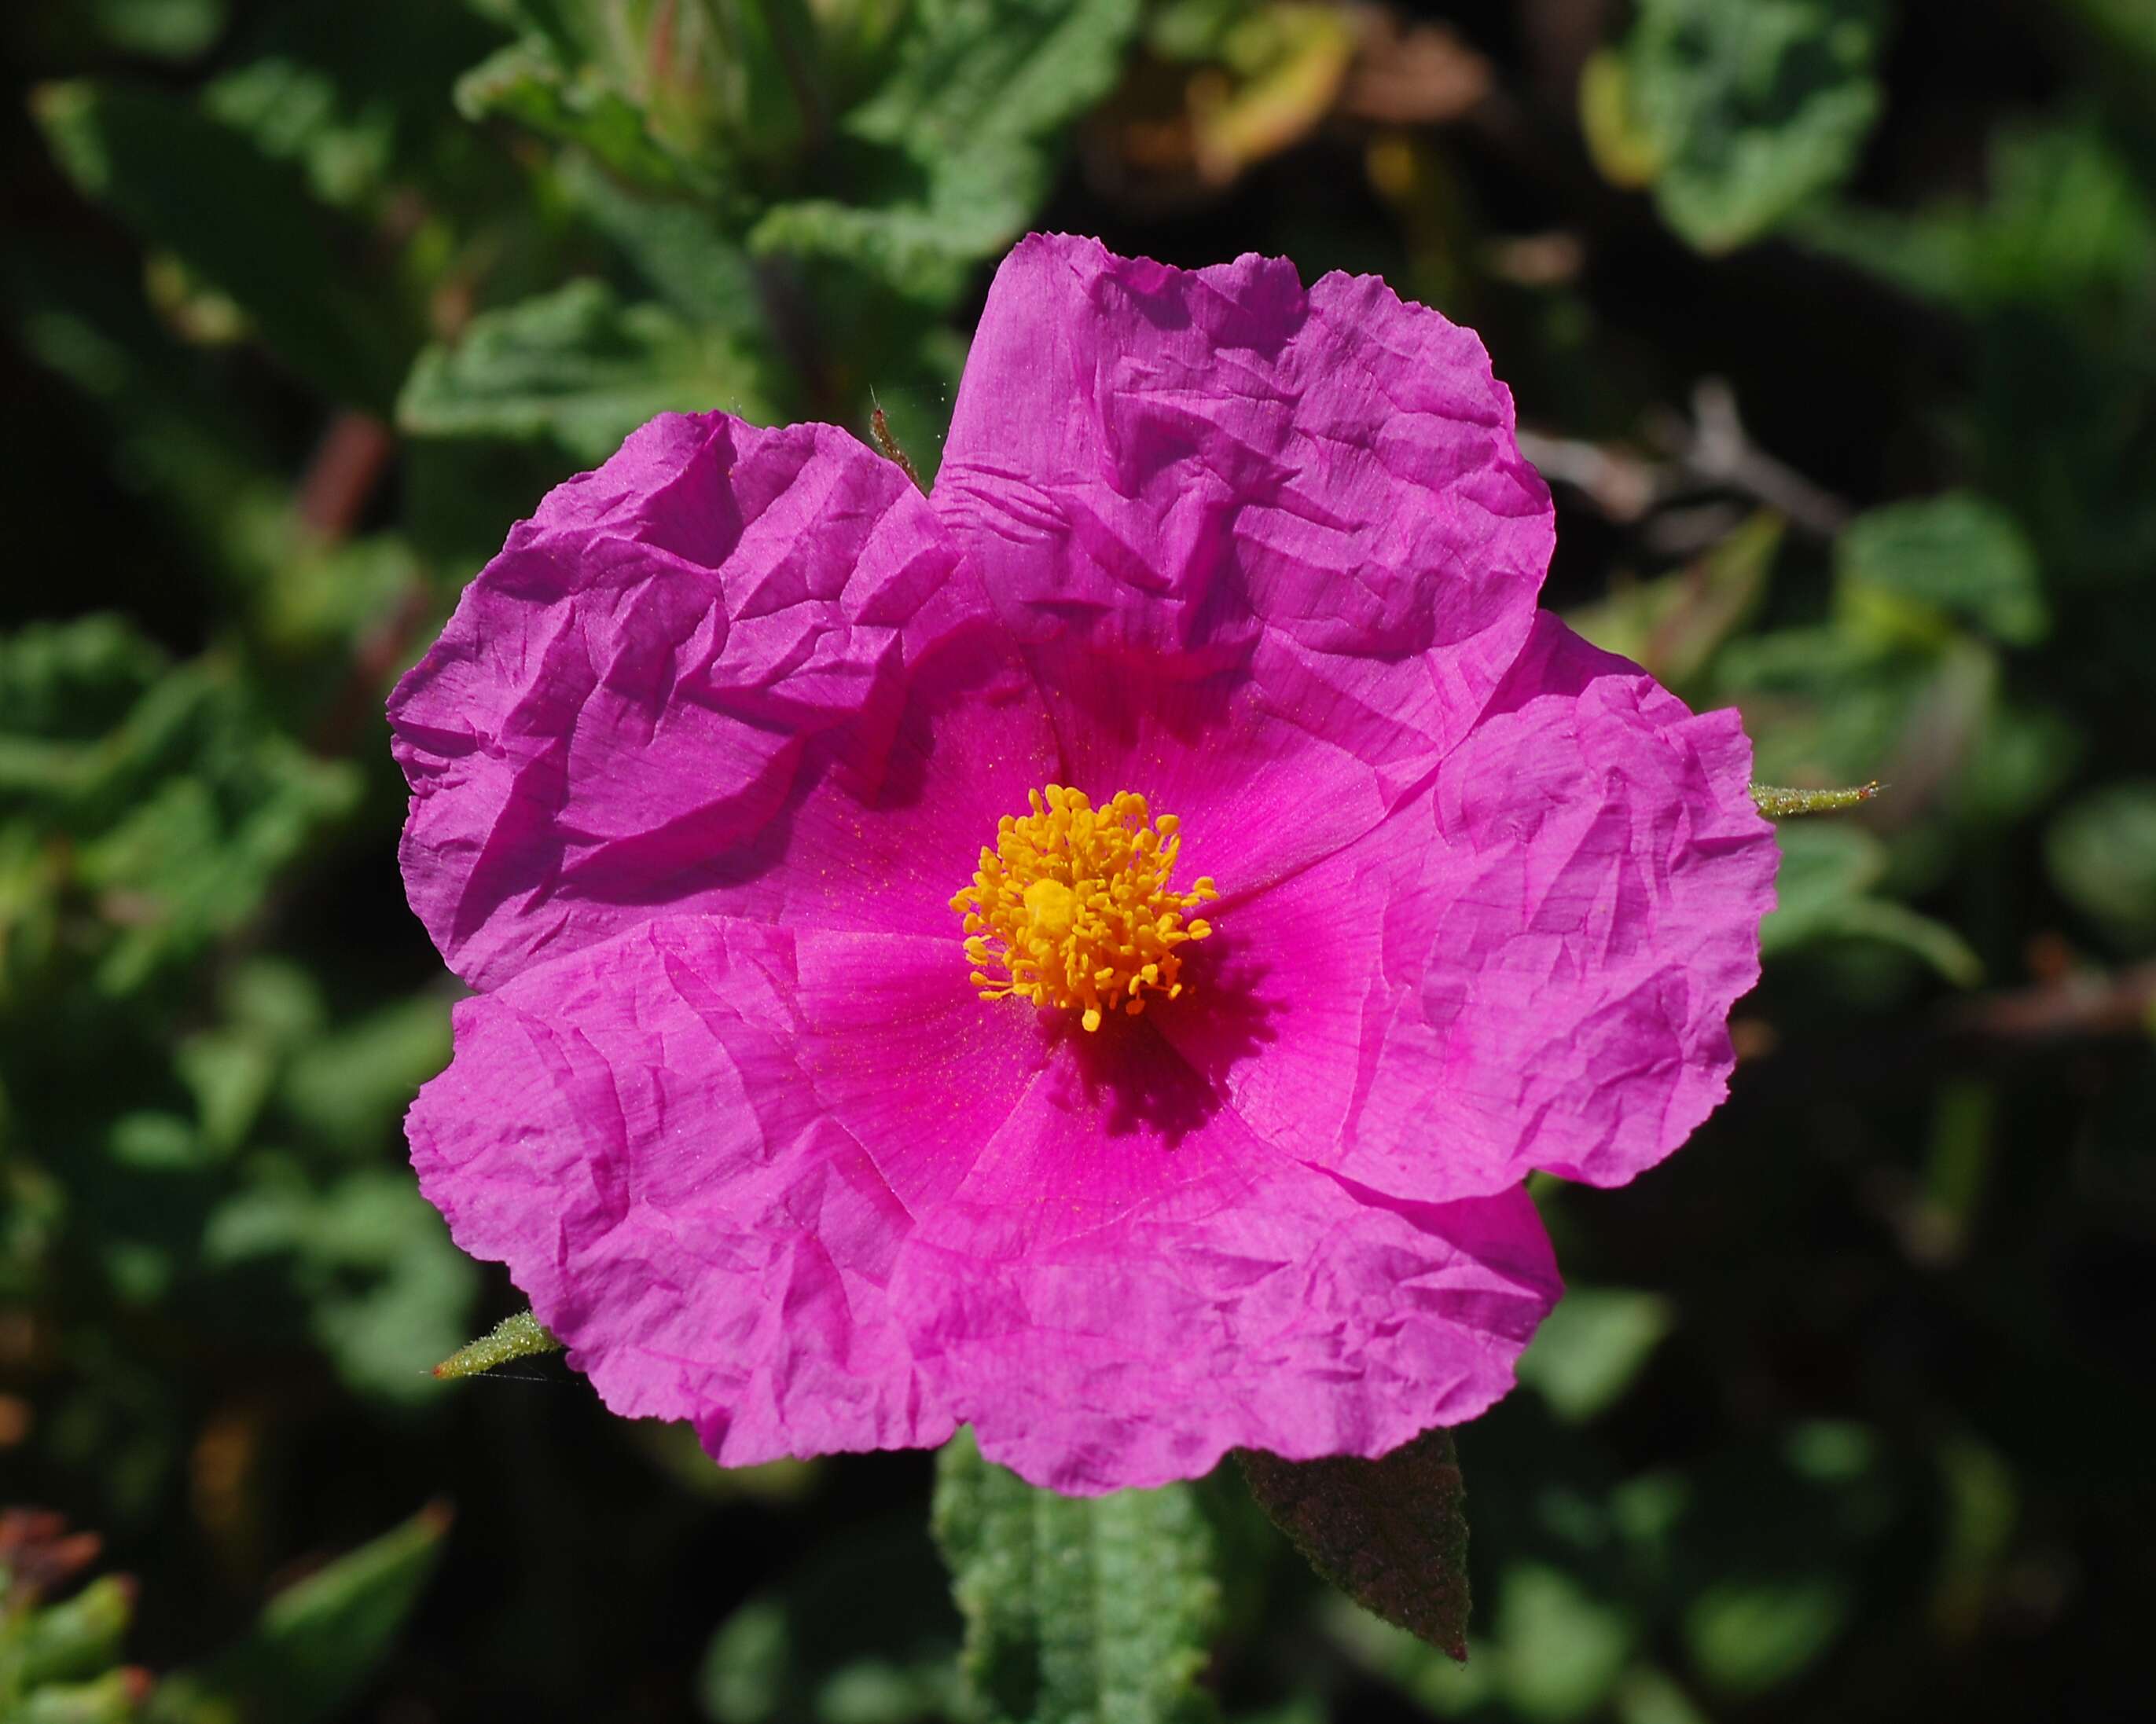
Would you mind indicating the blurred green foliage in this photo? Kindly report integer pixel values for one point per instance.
(311, 1647)
(1735, 115)
(305, 302)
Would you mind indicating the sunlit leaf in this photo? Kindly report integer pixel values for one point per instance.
(1738, 115)
(1955, 555)
(946, 161)
(1590, 1347)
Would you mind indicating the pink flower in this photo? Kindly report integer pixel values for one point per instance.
(732, 795)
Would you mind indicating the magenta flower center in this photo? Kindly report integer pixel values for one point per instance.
(1075, 907)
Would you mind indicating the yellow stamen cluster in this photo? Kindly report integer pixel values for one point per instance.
(1073, 907)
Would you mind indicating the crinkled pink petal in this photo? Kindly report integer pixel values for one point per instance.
(972, 740)
(1128, 1283)
(1285, 1003)
(1600, 873)
(1310, 504)
(1529, 966)
(630, 1129)
(624, 700)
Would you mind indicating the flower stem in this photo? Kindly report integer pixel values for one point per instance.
(516, 1337)
(1778, 803)
(880, 429)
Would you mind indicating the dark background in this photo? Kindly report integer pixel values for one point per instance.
(1832, 322)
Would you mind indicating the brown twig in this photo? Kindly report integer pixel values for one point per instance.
(340, 476)
(2083, 1005)
(1715, 447)
(1710, 451)
(1623, 486)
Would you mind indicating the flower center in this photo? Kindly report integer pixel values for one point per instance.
(1074, 906)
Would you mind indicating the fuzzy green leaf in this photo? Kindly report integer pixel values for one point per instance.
(578, 368)
(945, 162)
(1078, 1610)
(524, 84)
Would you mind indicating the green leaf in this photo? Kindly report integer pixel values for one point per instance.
(1738, 114)
(168, 29)
(351, 1088)
(524, 82)
(1649, 1696)
(2066, 226)
(579, 369)
(1078, 1610)
(1822, 867)
(2101, 852)
(1554, 1650)
(353, 94)
(945, 162)
(1391, 1533)
(1956, 556)
(1823, 893)
(316, 1643)
(113, 1698)
(177, 815)
(70, 1641)
(1560, 1650)
(238, 220)
(1746, 1635)
(1834, 705)
(680, 248)
(1588, 1349)
(190, 861)
(385, 1292)
(680, 98)
(803, 1652)
(2128, 25)
(171, 438)
(292, 113)
(72, 681)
